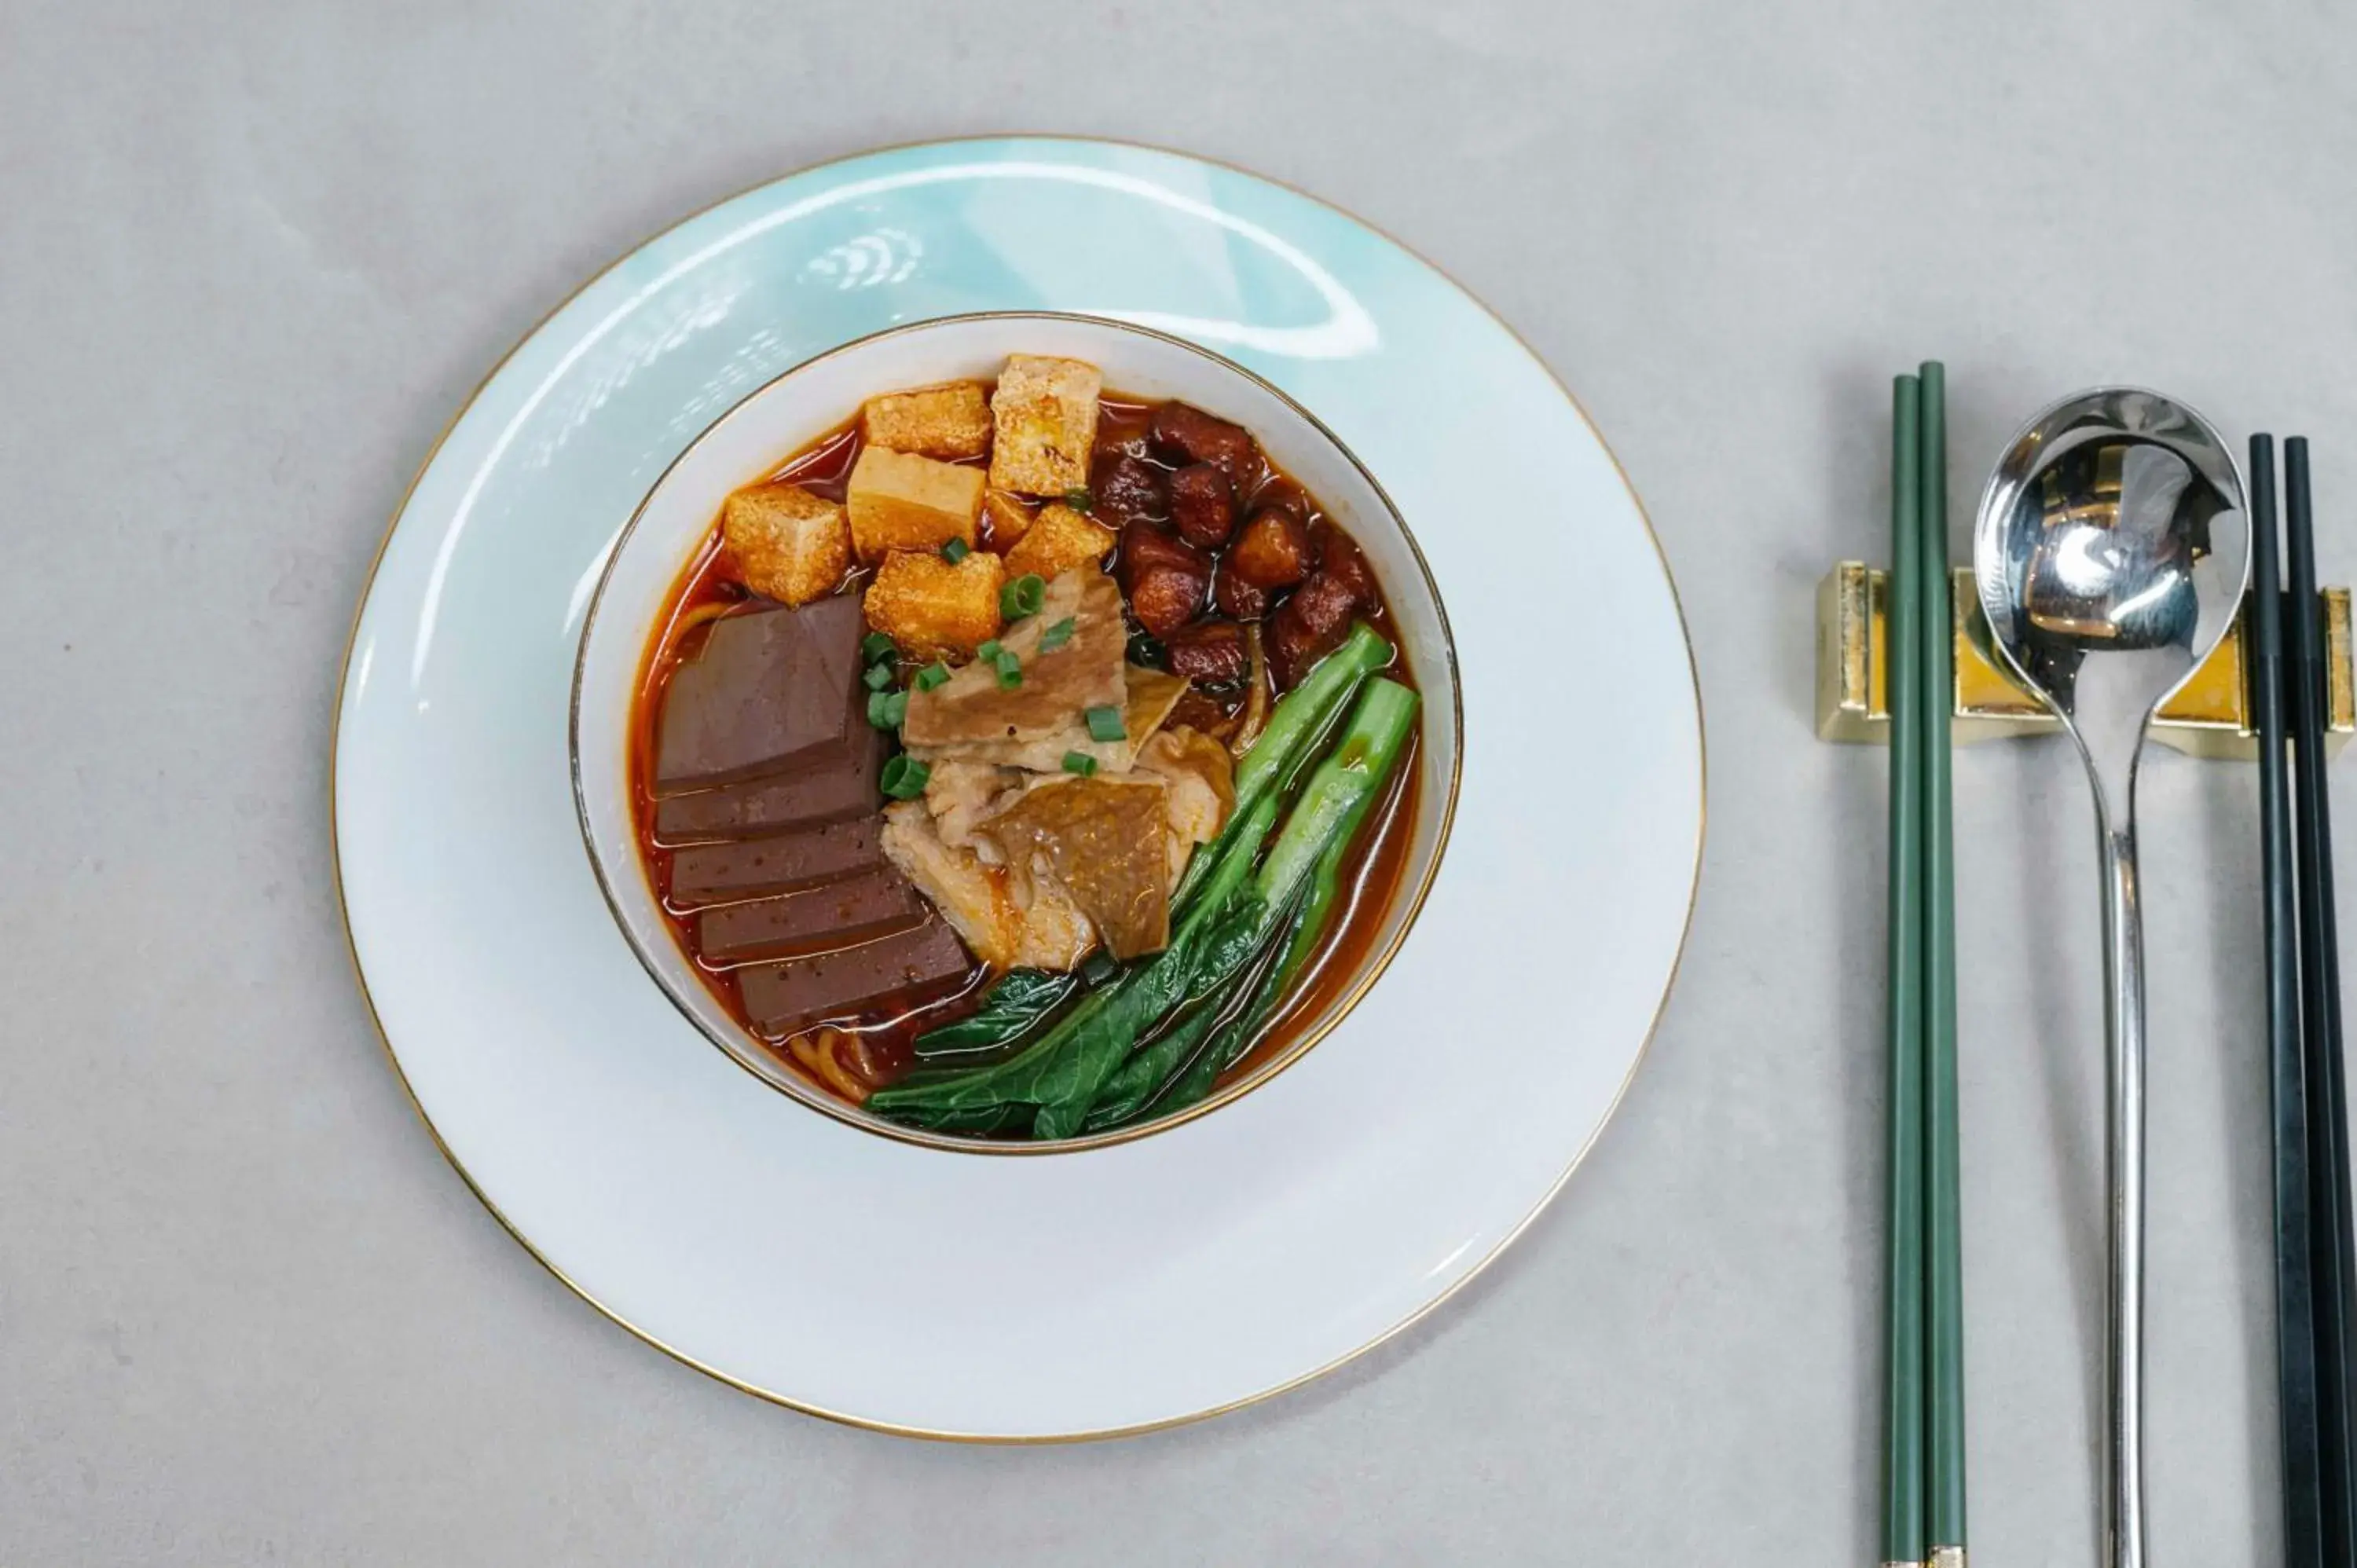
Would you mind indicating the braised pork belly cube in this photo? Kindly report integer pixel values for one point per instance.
(789, 544)
(1130, 489)
(1209, 653)
(1044, 415)
(1308, 627)
(1340, 557)
(1166, 578)
(1188, 435)
(931, 606)
(1272, 552)
(951, 420)
(902, 501)
(1059, 539)
(1202, 505)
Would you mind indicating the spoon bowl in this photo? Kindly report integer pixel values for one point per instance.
(2110, 553)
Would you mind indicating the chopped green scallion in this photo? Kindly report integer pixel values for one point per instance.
(955, 550)
(988, 651)
(877, 647)
(1079, 762)
(886, 709)
(878, 677)
(1022, 596)
(904, 778)
(1079, 498)
(1056, 635)
(1105, 723)
(933, 675)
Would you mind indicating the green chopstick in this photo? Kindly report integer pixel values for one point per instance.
(1904, 1426)
(1943, 1316)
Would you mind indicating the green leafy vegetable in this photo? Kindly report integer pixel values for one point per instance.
(1018, 999)
(905, 777)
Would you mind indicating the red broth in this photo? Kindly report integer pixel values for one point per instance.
(851, 1058)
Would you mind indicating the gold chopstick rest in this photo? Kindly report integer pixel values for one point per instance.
(2211, 717)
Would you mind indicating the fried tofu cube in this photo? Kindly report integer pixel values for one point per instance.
(930, 607)
(1045, 412)
(951, 420)
(1059, 539)
(1006, 519)
(789, 544)
(902, 501)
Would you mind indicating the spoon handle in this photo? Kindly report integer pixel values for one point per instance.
(2124, 1158)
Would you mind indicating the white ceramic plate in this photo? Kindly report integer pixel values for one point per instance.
(1111, 1289)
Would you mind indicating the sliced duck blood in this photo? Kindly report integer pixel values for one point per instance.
(1129, 489)
(1186, 433)
(1209, 653)
(1272, 551)
(832, 915)
(787, 996)
(766, 806)
(1234, 598)
(1202, 505)
(753, 868)
(773, 692)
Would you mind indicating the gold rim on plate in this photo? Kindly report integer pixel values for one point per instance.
(352, 948)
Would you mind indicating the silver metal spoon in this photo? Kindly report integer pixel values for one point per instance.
(2111, 551)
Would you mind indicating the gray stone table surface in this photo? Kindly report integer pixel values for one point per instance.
(252, 257)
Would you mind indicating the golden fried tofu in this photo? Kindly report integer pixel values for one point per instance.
(951, 420)
(929, 606)
(1045, 412)
(902, 501)
(1004, 520)
(1059, 539)
(789, 544)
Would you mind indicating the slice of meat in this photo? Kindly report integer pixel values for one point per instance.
(1102, 839)
(788, 996)
(1198, 780)
(1202, 505)
(1082, 672)
(768, 805)
(833, 915)
(1165, 577)
(961, 794)
(1010, 921)
(1185, 432)
(774, 691)
(1151, 696)
(1210, 653)
(754, 868)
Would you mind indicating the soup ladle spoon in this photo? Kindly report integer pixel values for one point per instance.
(2110, 553)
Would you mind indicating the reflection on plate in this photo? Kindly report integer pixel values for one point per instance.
(1149, 1281)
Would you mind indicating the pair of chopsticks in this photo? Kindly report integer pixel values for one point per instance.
(1923, 1450)
(2316, 1264)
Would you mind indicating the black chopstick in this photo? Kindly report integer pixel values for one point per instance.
(2295, 1266)
(2331, 1248)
